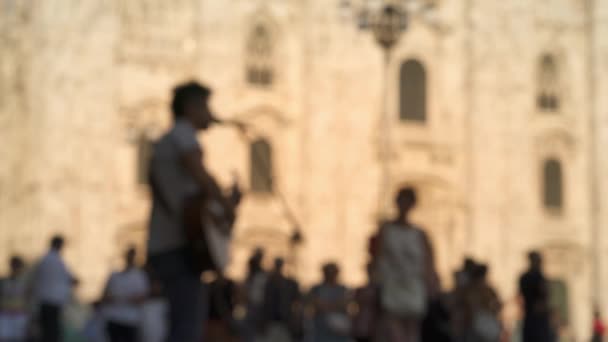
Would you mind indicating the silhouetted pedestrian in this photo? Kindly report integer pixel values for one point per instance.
(463, 276)
(599, 327)
(366, 317)
(329, 302)
(280, 296)
(254, 288)
(53, 284)
(125, 291)
(220, 325)
(95, 328)
(407, 274)
(534, 289)
(154, 326)
(482, 308)
(14, 316)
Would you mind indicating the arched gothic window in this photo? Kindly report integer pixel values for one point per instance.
(548, 84)
(412, 94)
(144, 155)
(260, 68)
(553, 196)
(261, 175)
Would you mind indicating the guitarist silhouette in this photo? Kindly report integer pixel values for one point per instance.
(187, 203)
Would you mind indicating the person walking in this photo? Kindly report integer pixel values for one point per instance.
(280, 297)
(366, 317)
(53, 283)
(14, 316)
(534, 289)
(599, 328)
(407, 274)
(221, 323)
(482, 308)
(125, 291)
(329, 301)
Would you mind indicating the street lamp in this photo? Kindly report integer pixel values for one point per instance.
(387, 20)
(387, 24)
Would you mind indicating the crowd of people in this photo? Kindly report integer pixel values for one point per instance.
(401, 300)
(166, 300)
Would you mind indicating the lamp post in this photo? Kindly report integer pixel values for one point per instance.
(387, 20)
(387, 26)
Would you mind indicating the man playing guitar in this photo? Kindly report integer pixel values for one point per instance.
(186, 203)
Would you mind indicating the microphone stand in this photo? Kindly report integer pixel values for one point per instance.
(296, 237)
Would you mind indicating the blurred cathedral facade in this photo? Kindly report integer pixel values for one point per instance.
(498, 115)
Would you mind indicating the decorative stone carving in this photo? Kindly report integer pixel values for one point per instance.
(157, 35)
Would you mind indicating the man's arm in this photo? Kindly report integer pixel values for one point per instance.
(68, 274)
(193, 162)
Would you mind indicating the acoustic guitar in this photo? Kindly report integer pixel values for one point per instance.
(208, 223)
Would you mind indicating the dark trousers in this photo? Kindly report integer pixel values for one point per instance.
(537, 328)
(121, 332)
(50, 323)
(187, 296)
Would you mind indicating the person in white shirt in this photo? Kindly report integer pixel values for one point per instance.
(94, 329)
(13, 303)
(53, 284)
(177, 172)
(406, 273)
(125, 291)
(154, 326)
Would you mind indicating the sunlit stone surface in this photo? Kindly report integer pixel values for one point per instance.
(83, 82)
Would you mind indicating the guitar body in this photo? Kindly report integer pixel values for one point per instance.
(209, 231)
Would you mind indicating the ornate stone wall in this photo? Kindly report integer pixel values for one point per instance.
(16, 125)
(82, 82)
(598, 125)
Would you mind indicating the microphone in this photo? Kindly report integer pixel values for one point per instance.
(241, 126)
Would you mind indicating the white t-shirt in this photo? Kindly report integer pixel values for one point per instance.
(402, 255)
(401, 270)
(257, 287)
(13, 294)
(95, 328)
(52, 280)
(122, 287)
(174, 184)
(154, 323)
(13, 327)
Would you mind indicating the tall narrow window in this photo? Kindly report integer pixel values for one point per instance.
(144, 154)
(261, 175)
(553, 185)
(412, 104)
(259, 57)
(548, 85)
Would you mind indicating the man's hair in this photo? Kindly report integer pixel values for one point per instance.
(534, 256)
(469, 264)
(480, 271)
(330, 266)
(186, 92)
(131, 251)
(57, 242)
(407, 193)
(16, 261)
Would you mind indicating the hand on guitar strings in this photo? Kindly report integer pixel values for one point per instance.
(235, 191)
